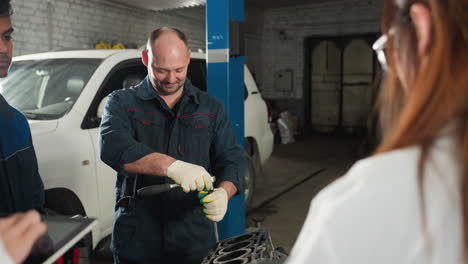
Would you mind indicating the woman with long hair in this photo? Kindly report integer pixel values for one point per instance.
(408, 203)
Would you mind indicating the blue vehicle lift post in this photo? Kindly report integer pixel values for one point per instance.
(225, 71)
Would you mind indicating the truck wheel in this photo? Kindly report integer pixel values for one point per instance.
(64, 202)
(250, 177)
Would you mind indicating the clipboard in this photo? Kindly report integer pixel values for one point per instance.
(62, 233)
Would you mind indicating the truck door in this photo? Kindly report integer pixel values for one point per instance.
(123, 75)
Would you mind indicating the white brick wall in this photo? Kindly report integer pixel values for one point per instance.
(326, 18)
(42, 25)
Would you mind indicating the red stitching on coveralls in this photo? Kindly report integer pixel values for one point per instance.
(206, 114)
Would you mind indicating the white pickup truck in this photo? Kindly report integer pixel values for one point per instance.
(62, 93)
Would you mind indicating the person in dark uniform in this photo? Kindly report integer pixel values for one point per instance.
(21, 187)
(165, 130)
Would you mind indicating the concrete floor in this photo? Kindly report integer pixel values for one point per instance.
(321, 160)
(291, 178)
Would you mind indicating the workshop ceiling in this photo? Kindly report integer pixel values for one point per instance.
(158, 5)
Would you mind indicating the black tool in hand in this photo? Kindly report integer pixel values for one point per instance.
(159, 188)
(155, 189)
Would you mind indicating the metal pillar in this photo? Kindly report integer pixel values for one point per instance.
(226, 82)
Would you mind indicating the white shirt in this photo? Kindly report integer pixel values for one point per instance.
(373, 214)
(4, 257)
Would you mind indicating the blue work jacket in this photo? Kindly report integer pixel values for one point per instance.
(21, 187)
(169, 227)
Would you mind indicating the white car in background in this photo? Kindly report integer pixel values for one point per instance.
(63, 93)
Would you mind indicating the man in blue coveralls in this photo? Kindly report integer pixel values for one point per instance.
(165, 130)
(21, 186)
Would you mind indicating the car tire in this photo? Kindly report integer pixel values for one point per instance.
(250, 177)
(64, 202)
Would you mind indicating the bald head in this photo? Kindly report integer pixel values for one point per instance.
(155, 34)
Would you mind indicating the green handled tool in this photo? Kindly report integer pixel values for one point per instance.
(202, 195)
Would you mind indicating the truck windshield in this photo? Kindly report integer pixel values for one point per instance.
(46, 89)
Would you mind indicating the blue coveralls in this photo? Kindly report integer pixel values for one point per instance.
(170, 227)
(21, 187)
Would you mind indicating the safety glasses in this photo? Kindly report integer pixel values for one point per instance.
(403, 18)
(379, 48)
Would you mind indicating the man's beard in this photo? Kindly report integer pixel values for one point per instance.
(169, 91)
(5, 62)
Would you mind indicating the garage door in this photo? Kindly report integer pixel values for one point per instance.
(341, 86)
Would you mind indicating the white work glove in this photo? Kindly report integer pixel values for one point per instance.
(191, 177)
(215, 204)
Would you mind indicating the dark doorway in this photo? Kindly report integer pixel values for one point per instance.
(338, 85)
